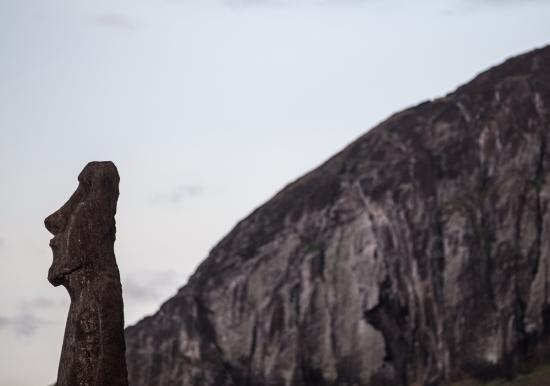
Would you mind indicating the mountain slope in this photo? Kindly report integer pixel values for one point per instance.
(417, 255)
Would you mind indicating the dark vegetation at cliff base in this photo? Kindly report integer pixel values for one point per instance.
(536, 377)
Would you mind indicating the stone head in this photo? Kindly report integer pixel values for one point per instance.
(84, 228)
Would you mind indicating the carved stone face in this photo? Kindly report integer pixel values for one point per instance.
(66, 243)
(83, 228)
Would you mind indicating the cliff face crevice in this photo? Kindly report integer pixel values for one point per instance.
(417, 255)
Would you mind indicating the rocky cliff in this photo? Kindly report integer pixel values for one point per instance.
(418, 255)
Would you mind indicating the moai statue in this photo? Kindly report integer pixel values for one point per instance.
(84, 263)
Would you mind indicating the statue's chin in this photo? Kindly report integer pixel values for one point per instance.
(57, 278)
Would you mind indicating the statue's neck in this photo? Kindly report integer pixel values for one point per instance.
(92, 279)
(96, 312)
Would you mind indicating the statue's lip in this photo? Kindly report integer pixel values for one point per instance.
(54, 242)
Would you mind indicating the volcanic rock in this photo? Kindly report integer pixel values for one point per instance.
(418, 255)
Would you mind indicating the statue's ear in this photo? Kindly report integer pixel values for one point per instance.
(82, 237)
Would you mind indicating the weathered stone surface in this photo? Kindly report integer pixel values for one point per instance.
(419, 254)
(84, 263)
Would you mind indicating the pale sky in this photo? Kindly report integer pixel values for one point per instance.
(207, 108)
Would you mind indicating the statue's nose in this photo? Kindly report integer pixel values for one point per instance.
(55, 223)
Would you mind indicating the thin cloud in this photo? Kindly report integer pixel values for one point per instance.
(148, 286)
(502, 2)
(278, 3)
(290, 3)
(25, 324)
(114, 20)
(42, 304)
(179, 193)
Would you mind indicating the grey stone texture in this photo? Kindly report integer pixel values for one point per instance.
(418, 255)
